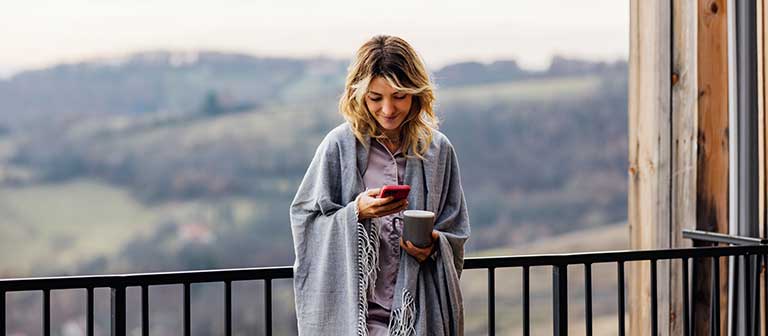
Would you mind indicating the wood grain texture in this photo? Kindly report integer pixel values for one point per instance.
(762, 10)
(712, 141)
(684, 145)
(649, 152)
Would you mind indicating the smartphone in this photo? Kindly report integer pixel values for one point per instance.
(397, 191)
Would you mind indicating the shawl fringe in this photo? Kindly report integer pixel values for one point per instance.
(404, 317)
(367, 262)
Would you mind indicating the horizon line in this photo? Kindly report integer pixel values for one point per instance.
(9, 71)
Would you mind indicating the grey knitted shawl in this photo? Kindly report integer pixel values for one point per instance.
(337, 255)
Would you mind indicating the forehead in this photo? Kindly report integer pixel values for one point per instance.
(380, 85)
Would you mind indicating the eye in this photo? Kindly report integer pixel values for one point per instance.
(400, 96)
(374, 99)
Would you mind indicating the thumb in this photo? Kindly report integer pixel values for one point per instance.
(373, 192)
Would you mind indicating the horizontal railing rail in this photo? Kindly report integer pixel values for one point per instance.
(716, 237)
(558, 262)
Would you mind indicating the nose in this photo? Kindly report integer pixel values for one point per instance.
(388, 108)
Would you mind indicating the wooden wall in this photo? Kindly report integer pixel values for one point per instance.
(678, 146)
(712, 162)
(649, 152)
(684, 144)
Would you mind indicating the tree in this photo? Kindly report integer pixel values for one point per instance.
(211, 104)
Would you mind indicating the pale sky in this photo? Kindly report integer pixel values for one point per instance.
(39, 33)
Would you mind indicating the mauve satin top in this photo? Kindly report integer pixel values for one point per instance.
(385, 168)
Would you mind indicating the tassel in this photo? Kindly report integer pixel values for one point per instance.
(404, 317)
(367, 264)
(373, 257)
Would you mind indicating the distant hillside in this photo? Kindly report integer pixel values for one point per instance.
(470, 73)
(177, 83)
(163, 161)
(151, 82)
(218, 143)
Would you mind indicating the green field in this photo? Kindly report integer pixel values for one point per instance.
(46, 227)
(521, 91)
(53, 227)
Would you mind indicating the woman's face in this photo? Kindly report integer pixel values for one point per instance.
(388, 106)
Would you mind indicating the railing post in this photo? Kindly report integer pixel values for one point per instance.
(144, 310)
(686, 301)
(186, 316)
(2, 313)
(228, 308)
(89, 311)
(118, 310)
(46, 312)
(621, 308)
(526, 301)
(268, 306)
(560, 299)
(491, 301)
(765, 295)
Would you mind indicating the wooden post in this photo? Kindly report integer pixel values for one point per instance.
(761, 95)
(761, 115)
(712, 169)
(649, 153)
(684, 149)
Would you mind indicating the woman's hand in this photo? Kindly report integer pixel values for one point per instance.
(419, 253)
(369, 206)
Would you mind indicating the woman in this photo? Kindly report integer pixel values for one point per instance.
(353, 275)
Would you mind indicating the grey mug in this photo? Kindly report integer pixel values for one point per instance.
(417, 227)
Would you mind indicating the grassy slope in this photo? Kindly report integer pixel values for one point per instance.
(86, 218)
(518, 91)
(51, 226)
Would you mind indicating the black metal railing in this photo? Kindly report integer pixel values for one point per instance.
(119, 283)
(558, 262)
(745, 308)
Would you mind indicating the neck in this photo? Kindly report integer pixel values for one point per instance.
(392, 135)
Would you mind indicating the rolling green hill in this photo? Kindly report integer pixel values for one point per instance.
(56, 226)
(193, 165)
(563, 137)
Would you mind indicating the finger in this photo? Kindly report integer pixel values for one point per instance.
(373, 192)
(435, 235)
(391, 211)
(411, 246)
(412, 249)
(387, 209)
(393, 205)
(383, 201)
(421, 250)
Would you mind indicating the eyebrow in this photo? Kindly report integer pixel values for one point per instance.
(376, 93)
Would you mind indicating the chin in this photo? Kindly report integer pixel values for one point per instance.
(390, 126)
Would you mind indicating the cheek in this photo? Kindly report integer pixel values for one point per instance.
(372, 106)
(405, 105)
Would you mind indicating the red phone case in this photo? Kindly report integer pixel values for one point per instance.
(398, 191)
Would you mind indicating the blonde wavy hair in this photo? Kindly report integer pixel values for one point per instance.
(396, 61)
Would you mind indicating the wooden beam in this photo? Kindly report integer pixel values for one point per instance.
(684, 146)
(649, 213)
(712, 167)
(761, 95)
